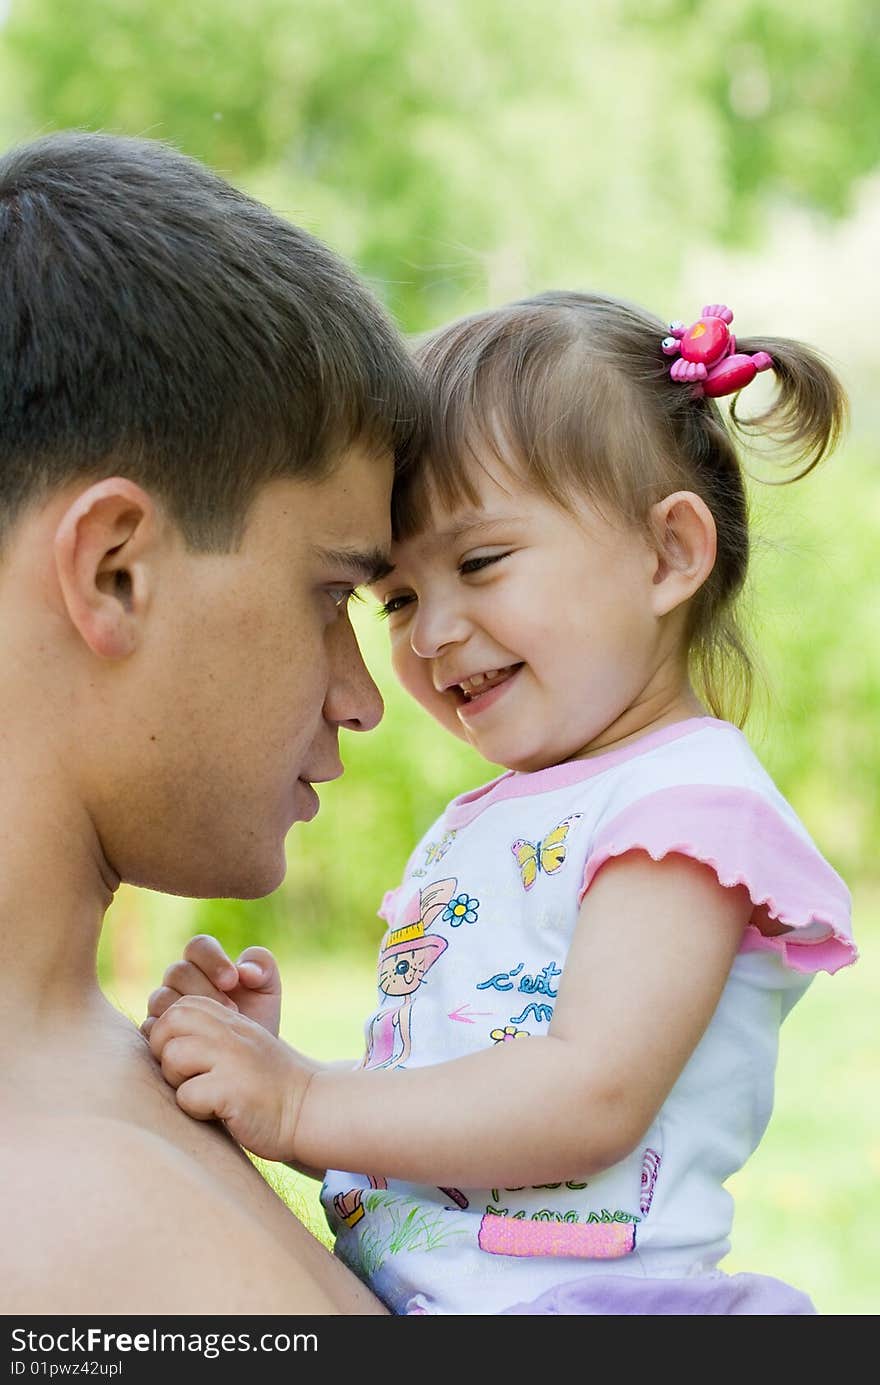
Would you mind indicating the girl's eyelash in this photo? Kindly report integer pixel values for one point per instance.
(392, 606)
(469, 565)
(477, 564)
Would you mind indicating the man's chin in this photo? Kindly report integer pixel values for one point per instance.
(250, 879)
(261, 882)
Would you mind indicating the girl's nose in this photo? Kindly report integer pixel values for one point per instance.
(437, 624)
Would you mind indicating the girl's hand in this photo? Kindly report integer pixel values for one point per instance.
(227, 1067)
(252, 985)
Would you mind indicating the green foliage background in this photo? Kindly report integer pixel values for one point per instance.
(467, 152)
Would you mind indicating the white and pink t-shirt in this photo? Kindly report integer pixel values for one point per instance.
(477, 939)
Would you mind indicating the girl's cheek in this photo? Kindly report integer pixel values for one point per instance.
(399, 660)
(401, 666)
(415, 677)
(413, 673)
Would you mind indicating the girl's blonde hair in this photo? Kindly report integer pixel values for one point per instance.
(574, 391)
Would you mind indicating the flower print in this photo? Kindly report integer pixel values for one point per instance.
(510, 1031)
(460, 910)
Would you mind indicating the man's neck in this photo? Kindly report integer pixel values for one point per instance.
(54, 891)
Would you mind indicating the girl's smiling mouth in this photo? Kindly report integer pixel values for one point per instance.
(475, 692)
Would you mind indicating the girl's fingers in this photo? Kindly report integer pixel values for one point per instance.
(159, 1001)
(182, 1058)
(186, 978)
(205, 953)
(189, 1017)
(197, 1097)
(166, 996)
(258, 970)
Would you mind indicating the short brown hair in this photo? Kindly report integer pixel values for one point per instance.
(155, 320)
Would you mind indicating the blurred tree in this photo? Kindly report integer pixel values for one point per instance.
(464, 151)
(793, 90)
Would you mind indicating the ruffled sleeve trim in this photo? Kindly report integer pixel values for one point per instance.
(388, 908)
(747, 841)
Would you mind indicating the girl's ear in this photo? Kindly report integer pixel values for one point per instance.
(104, 548)
(686, 543)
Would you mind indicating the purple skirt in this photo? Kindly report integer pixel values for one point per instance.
(715, 1293)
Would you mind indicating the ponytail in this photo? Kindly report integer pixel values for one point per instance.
(810, 409)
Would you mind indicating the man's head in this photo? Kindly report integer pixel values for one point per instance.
(201, 411)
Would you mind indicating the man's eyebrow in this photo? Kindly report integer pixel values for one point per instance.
(367, 565)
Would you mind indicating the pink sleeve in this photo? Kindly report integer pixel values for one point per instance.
(746, 841)
(387, 910)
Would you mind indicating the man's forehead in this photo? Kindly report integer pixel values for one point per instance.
(345, 516)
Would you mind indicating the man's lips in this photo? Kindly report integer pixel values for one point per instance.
(322, 776)
(307, 801)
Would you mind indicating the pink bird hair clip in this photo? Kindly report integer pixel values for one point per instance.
(707, 355)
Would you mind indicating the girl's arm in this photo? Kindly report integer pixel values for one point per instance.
(649, 959)
(651, 953)
(338, 1065)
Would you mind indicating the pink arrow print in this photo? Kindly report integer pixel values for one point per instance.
(466, 1019)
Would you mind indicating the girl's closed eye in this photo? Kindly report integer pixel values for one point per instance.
(481, 561)
(467, 567)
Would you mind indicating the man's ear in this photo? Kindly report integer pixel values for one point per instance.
(103, 547)
(686, 544)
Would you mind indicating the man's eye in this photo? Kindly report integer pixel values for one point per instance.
(341, 596)
(394, 604)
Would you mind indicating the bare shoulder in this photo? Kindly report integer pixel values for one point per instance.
(115, 1219)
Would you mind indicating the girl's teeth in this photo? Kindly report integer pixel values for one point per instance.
(473, 684)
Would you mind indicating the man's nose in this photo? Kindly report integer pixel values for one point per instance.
(353, 700)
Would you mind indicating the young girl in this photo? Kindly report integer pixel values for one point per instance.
(589, 959)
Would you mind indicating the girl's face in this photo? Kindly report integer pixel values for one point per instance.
(526, 629)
